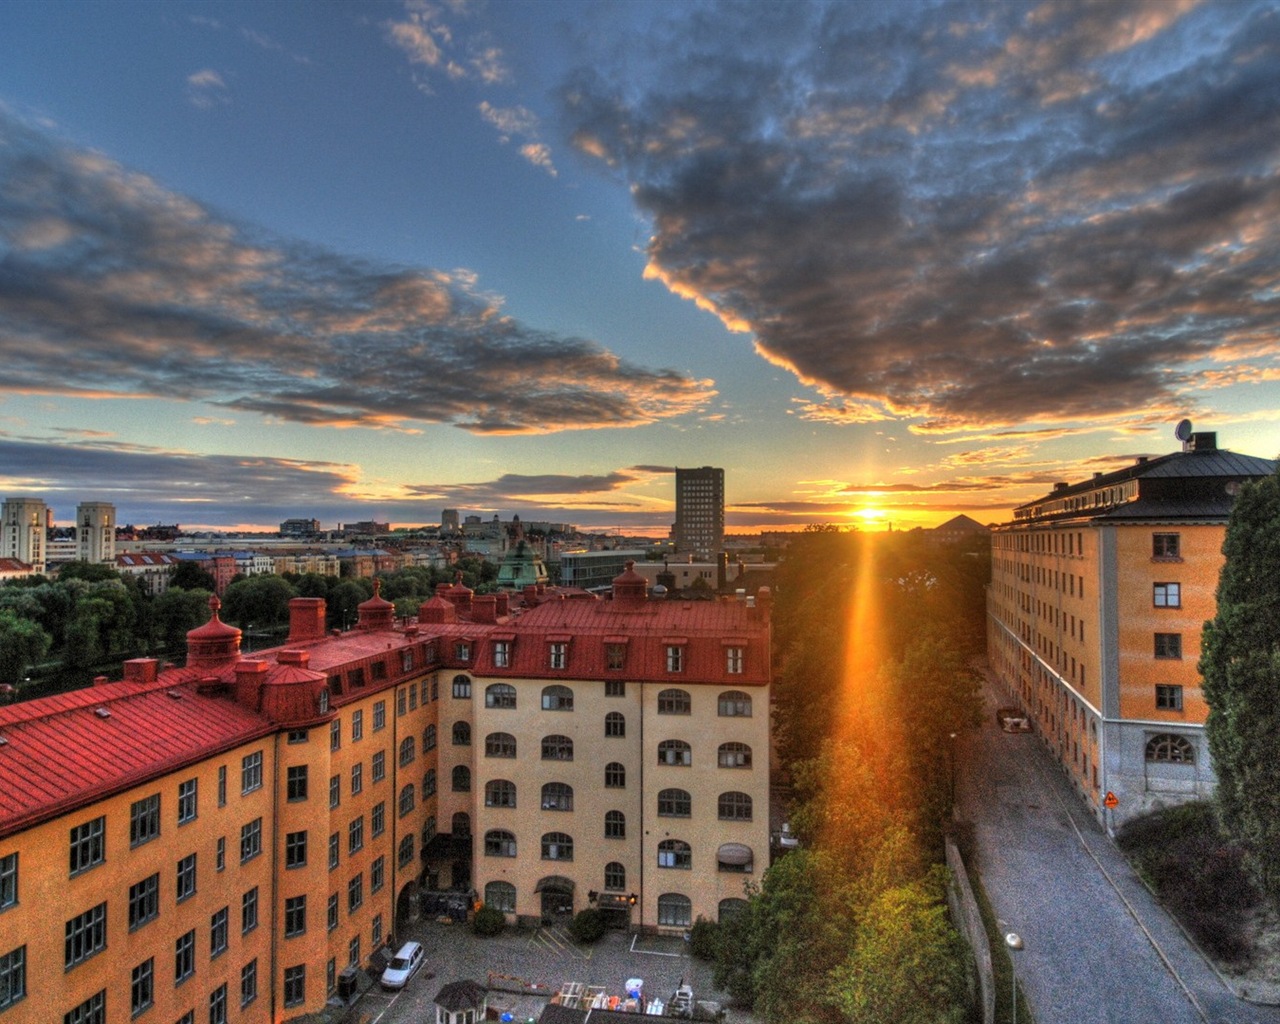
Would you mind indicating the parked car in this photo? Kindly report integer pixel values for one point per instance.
(404, 965)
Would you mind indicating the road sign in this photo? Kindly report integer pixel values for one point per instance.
(1110, 800)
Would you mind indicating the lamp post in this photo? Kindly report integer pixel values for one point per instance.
(952, 750)
(1014, 941)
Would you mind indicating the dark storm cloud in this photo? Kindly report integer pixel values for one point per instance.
(969, 214)
(517, 487)
(111, 284)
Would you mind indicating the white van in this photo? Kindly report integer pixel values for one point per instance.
(404, 965)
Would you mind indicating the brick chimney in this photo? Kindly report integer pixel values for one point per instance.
(141, 670)
(250, 676)
(306, 619)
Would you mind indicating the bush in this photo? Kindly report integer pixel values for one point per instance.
(489, 921)
(587, 926)
(703, 938)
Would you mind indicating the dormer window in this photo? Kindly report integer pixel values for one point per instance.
(502, 654)
(559, 655)
(462, 650)
(675, 658)
(734, 657)
(324, 701)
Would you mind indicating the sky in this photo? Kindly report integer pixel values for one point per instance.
(885, 263)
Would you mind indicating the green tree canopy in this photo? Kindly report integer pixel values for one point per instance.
(261, 600)
(190, 576)
(22, 644)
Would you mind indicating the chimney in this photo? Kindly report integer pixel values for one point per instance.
(484, 608)
(1203, 441)
(299, 658)
(504, 604)
(250, 676)
(141, 670)
(306, 619)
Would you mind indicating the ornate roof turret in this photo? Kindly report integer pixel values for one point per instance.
(215, 641)
(377, 612)
(630, 589)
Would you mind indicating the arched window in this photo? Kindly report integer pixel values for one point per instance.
(674, 702)
(429, 783)
(462, 824)
(461, 734)
(408, 751)
(499, 695)
(499, 842)
(675, 853)
(557, 796)
(674, 910)
(1169, 748)
(429, 738)
(615, 776)
(676, 752)
(731, 908)
(501, 896)
(615, 825)
(428, 830)
(499, 744)
(557, 846)
(557, 698)
(615, 876)
(557, 748)
(615, 724)
(734, 704)
(461, 779)
(734, 755)
(734, 807)
(462, 686)
(499, 793)
(407, 798)
(674, 803)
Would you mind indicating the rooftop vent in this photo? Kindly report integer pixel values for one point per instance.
(4, 740)
(175, 694)
(102, 712)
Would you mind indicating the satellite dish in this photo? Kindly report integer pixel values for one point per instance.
(1183, 430)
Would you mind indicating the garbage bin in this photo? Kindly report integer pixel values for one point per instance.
(347, 984)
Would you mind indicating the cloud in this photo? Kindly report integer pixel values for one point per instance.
(206, 89)
(519, 122)
(427, 40)
(965, 214)
(158, 296)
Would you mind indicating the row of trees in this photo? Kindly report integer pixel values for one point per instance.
(874, 638)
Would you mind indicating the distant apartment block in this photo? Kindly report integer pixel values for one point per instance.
(23, 523)
(300, 528)
(95, 532)
(699, 525)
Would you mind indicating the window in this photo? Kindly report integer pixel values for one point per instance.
(674, 702)
(144, 901)
(296, 782)
(557, 748)
(615, 825)
(462, 687)
(295, 985)
(461, 824)
(86, 934)
(557, 796)
(461, 734)
(335, 791)
(499, 843)
(357, 725)
(462, 651)
(1168, 645)
(218, 1005)
(218, 933)
(184, 957)
(500, 793)
(88, 847)
(1167, 595)
(249, 911)
(357, 778)
(186, 877)
(92, 1011)
(1166, 546)
(402, 702)
(379, 715)
(615, 661)
(250, 840)
(355, 893)
(461, 779)
(499, 744)
(429, 784)
(353, 951)
(557, 846)
(1171, 749)
(222, 785)
(501, 896)
(413, 696)
(615, 724)
(186, 801)
(674, 803)
(501, 654)
(734, 704)
(404, 856)
(675, 658)
(334, 850)
(733, 755)
(377, 874)
(220, 854)
(500, 695)
(295, 916)
(355, 835)
(335, 734)
(557, 655)
(674, 910)
(407, 800)
(333, 911)
(9, 879)
(676, 752)
(144, 820)
(249, 982)
(615, 775)
(251, 772)
(734, 657)
(379, 766)
(408, 750)
(673, 853)
(734, 807)
(429, 738)
(615, 876)
(1168, 697)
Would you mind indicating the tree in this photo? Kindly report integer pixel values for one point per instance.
(22, 644)
(261, 600)
(189, 576)
(1240, 663)
(175, 613)
(90, 572)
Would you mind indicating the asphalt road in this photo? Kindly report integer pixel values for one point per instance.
(1097, 947)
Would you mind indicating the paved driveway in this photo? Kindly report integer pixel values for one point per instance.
(1098, 948)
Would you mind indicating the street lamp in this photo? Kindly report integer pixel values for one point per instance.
(952, 749)
(248, 635)
(1014, 941)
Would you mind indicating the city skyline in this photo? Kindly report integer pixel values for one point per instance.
(883, 264)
